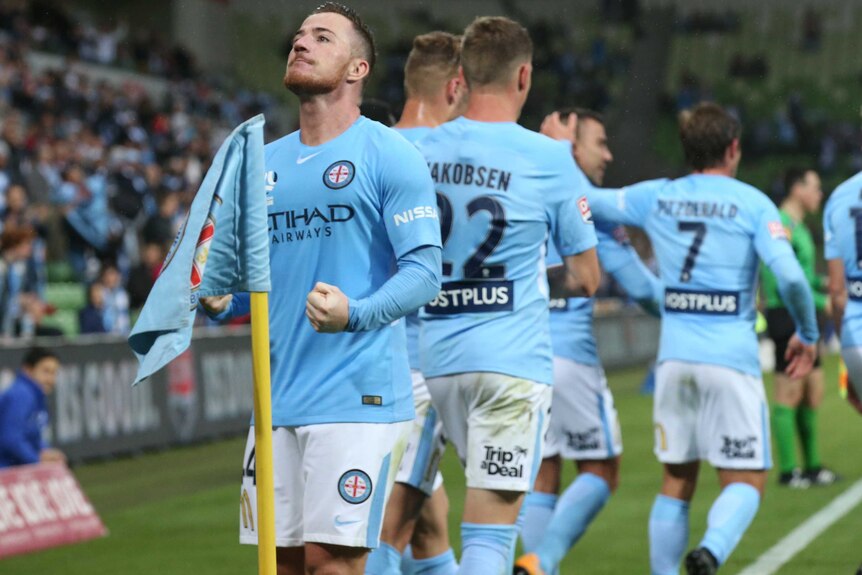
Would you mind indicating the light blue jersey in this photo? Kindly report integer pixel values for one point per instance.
(342, 213)
(709, 233)
(501, 191)
(842, 234)
(413, 135)
(572, 318)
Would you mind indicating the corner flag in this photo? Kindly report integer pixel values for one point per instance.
(225, 231)
(225, 228)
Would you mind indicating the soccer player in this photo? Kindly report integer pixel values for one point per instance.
(842, 229)
(435, 94)
(584, 426)
(710, 232)
(502, 191)
(347, 198)
(796, 400)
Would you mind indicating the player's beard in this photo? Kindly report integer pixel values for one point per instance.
(309, 85)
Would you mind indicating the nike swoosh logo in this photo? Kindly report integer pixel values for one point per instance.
(340, 523)
(301, 160)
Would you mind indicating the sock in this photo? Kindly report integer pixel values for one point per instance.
(806, 422)
(408, 564)
(729, 517)
(443, 564)
(577, 507)
(668, 535)
(537, 510)
(385, 560)
(485, 548)
(784, 430)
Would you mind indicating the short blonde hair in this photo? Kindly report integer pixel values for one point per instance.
(434, 60)
(493, 47)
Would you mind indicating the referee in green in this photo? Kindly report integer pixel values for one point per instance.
(797, 400)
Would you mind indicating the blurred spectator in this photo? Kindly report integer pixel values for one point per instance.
(160, 228)
(24, 414)
(16, 245)
(143, 276)
(91, 319)
(116, 300)
(812, 30)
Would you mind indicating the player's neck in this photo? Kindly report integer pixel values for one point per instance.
(422, 114)
(718, 171)
(325, 117)
(492, 107)
(793, 209)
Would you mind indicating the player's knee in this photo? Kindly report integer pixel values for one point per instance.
(606, 469)
(548, 477)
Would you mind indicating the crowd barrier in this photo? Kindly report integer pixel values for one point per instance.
(207, 392)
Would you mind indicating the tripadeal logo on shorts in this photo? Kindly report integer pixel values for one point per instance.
(503, 463)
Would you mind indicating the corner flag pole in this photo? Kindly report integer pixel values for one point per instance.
(266, 564)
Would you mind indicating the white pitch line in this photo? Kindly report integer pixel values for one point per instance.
(798, 539)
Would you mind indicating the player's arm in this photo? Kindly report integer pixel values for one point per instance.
(416, 282)
(578, 276)
(837, 292)
(629, 205)
(222, 307)
(835, 265)
(571, 226)
(621, 260)
(771, 244)
(404, 186)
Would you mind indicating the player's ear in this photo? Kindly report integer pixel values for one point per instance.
(453, 86)
(358, 69)
(525, 72)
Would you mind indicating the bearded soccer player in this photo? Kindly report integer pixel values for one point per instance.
(485, 345)
(710, 232)
(347, 197)
(417, 512)
(584, 426)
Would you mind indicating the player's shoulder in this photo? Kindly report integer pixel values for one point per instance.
(542, 149)
(848, 190)
(655, 185)
(384, 140)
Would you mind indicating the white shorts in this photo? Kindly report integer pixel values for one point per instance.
(496, 423)
(425, 446)
(706, 411)
(852, 357)
(584, 423)
(331, 483)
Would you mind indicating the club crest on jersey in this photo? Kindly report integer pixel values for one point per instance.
(339, 175)
(777, 231)
(355, 486)
(586, 212)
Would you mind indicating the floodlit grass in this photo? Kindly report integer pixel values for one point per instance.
(176, 512)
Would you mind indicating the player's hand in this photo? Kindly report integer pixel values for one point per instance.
(554, 127)
(327, 308)
(215, 304)
(51, 455)
(800, 358)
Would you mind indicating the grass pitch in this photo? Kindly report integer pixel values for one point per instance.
(175, 513)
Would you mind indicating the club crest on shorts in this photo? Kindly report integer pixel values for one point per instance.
(339, 175)
(355, 486)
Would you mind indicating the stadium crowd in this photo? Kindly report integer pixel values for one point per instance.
(102, 174)
(95, 174)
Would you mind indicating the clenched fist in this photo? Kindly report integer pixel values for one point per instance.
(327, 308)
